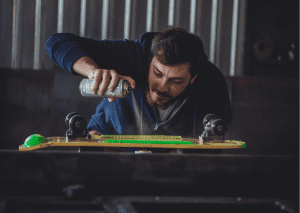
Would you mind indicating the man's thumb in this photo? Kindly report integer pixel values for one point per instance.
(130, 81)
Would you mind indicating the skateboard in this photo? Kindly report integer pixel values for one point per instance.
(137, 141)
(78, 136)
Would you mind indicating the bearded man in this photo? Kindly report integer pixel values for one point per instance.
(174, 84)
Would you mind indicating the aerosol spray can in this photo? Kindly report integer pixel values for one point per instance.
(121, 91)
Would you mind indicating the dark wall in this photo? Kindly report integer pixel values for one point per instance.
(37, 102)
(272, 38)
(26, 103)
(265, 114)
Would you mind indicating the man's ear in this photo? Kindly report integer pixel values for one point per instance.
(193, 79)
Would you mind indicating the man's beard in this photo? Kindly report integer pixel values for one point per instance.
(165, 105)
(184, 94)
(151, 102)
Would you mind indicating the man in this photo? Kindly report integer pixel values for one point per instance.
(175, 85)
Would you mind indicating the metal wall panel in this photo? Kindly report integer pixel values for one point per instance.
(133, 20)
(37, 34)
(139, 25)
(23, 36)
(111, 19)
(163, 9)
(6, 32)
(48, 28)
(155, 15)
(16, 35)
(205, 22)
(93, 19)
(240, 51)
(183, 17)
(223, 44)
(118, 23)
(27, 26)
(71, 16)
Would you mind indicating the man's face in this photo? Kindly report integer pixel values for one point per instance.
(167, 82)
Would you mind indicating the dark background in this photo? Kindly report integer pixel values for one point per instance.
(265, 98)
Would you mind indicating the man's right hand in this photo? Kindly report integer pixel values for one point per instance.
(108, 78)
(87, 67)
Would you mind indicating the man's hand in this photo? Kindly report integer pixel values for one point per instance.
(110, 79)
(87, 67)
(95, 132)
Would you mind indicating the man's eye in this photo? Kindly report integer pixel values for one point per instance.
(178, 82)
(158, 74)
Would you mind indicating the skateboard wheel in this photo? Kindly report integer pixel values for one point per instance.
(77, 123)
(209, 117)
(33, 140)
(69, 116)
(219, 127)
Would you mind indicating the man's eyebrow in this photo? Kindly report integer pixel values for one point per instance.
(156, 68)
(161, 72)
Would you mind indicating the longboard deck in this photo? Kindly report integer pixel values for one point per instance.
(96, 141)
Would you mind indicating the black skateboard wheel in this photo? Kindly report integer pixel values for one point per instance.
(77, 123)
(69, 116)
(209, 117)
(219, 127)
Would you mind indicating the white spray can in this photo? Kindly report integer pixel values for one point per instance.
(121, 91)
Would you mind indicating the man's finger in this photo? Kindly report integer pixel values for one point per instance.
(113, 83)
(130, 81)
(98, 77)
(105, 81)
(91, 75)
(111, 99)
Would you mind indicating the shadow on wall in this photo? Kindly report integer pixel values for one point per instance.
(67, 99)
(26, 102)
(265, 109)
(265, 115)
(37, 102)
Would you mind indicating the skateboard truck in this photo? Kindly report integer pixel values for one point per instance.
(214, 129)
(77, 127)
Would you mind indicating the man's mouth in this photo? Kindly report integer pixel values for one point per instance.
(156, 99)
(157, 96)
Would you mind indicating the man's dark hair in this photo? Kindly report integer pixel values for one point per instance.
(175, 46)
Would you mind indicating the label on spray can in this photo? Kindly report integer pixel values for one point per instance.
(121, 91)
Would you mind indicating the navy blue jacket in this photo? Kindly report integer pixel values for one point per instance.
(133, 115)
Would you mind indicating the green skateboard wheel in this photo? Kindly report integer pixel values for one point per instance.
(33, 140)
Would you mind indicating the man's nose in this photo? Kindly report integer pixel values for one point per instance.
(164, 86)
